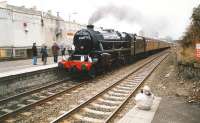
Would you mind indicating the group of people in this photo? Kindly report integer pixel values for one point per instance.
(55, 51)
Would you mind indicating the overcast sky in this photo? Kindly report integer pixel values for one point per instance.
(160, 17)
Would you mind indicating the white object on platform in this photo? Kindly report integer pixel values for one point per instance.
(136, 115)
(144, 101)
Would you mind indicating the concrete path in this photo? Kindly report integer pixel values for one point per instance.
(27, 70)
(141, 116)
(8, 66)
(177, 110)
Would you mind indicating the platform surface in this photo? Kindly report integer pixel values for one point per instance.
(9, 68)
(173, 109)
(136, 115)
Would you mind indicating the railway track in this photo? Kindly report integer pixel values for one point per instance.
(102, 107)
(23, 101)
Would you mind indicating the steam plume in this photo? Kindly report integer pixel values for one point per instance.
(150, 25)
(120, 13)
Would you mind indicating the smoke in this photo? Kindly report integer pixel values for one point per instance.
(120, 13)
(150, 25)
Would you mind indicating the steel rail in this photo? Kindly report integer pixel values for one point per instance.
(131, 94)
(29, 106)
(31, 91)
(74, 110)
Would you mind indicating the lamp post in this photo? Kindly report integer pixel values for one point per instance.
(70, 30)
(70, 15)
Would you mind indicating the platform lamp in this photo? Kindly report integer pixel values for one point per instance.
(70, 14)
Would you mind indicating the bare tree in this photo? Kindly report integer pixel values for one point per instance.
(192, 34)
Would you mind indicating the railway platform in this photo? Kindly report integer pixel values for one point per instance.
(21, 74)
(20, 65)
(141, 116)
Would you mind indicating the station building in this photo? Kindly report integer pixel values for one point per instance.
(20, 27)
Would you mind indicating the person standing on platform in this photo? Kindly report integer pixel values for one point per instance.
(71, 49)
(55, 49)
(34, 50)
(63, 52)
(62, 49)
(44, 54)
(41, 51)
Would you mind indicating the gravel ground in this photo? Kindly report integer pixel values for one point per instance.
(175, 93)
(52, 109)
(19, 91)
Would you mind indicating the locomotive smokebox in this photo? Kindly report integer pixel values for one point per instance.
(91, 27)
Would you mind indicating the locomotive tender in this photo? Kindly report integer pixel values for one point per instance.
(98, 51)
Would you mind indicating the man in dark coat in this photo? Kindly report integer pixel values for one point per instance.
(34, 50)
(55, 50)
(44, 54)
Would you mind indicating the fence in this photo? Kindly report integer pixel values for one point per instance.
(189, 71)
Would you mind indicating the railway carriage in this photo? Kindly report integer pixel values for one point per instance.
(98, 51)
(140, 45)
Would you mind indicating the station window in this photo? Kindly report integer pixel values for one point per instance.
(20, 53)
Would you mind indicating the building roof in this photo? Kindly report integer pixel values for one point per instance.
(22, 9)
(31, 11)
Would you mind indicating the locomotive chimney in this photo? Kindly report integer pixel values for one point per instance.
(91, 27)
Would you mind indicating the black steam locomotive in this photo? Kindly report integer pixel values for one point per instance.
(97, 51)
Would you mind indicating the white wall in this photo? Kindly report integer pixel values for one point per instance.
(6, 32)
(12, 30)
(6, 35)
(21, 37)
